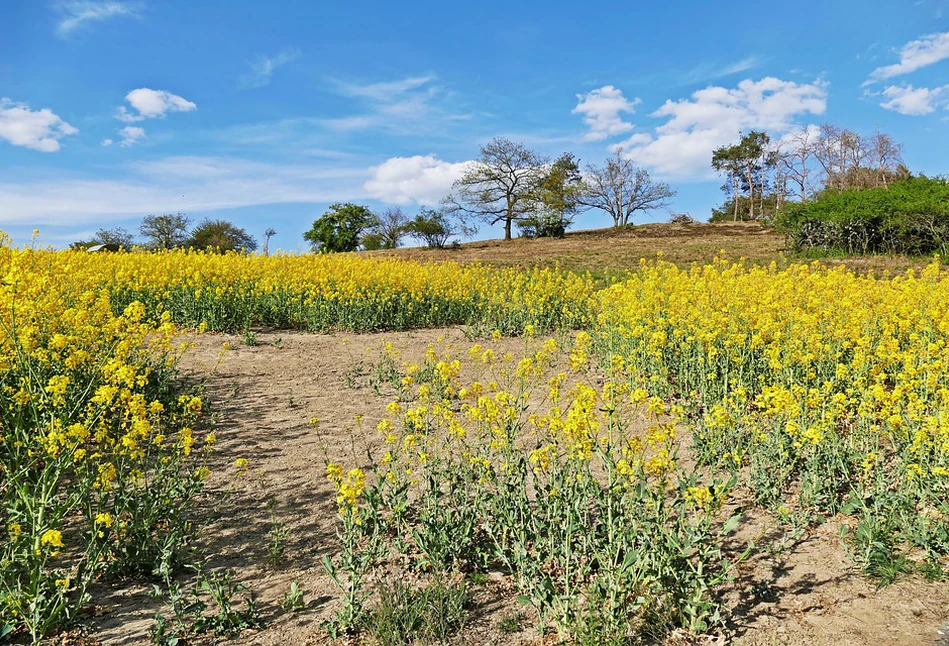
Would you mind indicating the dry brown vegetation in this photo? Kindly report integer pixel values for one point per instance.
(606, 252)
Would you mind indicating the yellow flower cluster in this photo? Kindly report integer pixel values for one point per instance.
(85, 413)
(804, 369)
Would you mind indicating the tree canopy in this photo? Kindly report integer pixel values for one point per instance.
(622, 189)
(499, 186)
(166, 231)
(556, 200)
(340, 229)
(220, 235)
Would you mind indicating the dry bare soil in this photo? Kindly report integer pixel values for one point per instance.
(264, 398)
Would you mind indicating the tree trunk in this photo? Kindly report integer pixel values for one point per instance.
(751, 195)
(507, 228)
(803, 179)
(735, 196)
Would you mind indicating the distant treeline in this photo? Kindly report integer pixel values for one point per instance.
(172, 231)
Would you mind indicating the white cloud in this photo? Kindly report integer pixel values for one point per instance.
(107, 142)
(682, 147)
(262, 69)
(152, 103)
(601, 110)
(36, 129)
(189, 184)
(913, 101)
(422, 179)
(77, 13)
(914, 55)
(131, 135)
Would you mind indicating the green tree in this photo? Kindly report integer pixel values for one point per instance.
(746, 165)
(499, 186)
(340, 228)
(433, 227)
(166, 231)
(220, 235)
(556, 200)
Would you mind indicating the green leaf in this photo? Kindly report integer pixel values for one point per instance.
(731, 524)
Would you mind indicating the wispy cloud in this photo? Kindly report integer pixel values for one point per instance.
(385, 91)
(915, 55)
(262, 68)
(190, 184)
(410, 105)
(75, 14)
(711, 71)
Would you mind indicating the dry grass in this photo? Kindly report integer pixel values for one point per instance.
(608, 252)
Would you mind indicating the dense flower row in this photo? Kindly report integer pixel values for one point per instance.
(97, 449)
(832, 387)
(321, 292)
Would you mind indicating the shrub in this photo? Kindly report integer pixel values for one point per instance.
(909, 217)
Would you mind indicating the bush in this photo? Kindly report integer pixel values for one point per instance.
(909, 217)
(543, 226)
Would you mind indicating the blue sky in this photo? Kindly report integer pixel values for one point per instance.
(264, 113)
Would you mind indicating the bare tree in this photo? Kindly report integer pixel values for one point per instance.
(839, 151)
(885, 155)
(621, 189)
(165, 231)
(499, 186)
(795, 158)
(391, 227)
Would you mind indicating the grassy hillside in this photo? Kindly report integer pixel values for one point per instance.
(608, 251)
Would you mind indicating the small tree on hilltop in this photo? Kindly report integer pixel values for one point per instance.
(434, 228)
(499, 185)
(390, 228)
(221, 235)
(166, 231)
(340, 229)
(556, 200)
(621, 189)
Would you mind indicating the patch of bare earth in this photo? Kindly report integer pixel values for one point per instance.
(264, 399)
